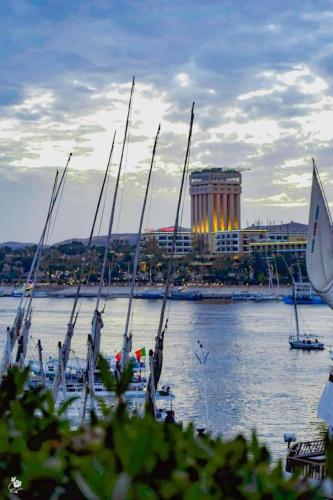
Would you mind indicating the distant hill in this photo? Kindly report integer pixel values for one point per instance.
(121, 239)
(14, 245)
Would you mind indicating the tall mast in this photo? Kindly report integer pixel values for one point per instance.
(24, 337)
(92, 230)
(269, 271)
(296, 312)
(299, 269)
(126, 349)
(174, 238)
(158, 353)
(94, 339)
(14, 332)
(277, 278)
(115, 197)
(65, 348)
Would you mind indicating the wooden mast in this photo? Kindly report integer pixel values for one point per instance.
(97, 323)
(14, 332)
(65, 348)
(159, 339)
(295, 310)
(24, 336)
(115, 197)
(126, 349)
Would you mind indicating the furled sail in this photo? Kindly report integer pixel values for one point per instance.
(96, 329)
(325, 405)
(319, 252)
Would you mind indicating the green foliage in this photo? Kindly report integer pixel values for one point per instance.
(124, 457)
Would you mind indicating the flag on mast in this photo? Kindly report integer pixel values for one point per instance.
(140, 353)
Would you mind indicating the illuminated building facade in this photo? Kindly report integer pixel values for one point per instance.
(215, 202)
(265, 241)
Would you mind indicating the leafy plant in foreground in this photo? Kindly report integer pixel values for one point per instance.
(122, 457)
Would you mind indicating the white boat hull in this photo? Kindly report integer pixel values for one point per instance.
(306, 344)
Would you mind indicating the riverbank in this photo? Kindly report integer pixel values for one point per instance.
(189, 292)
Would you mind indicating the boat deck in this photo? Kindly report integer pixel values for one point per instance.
(308, 459)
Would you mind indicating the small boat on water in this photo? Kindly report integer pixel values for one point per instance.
(149, 294)
(305, 341)
(25, 291)
(304, 295)
(178, 294)
(255, 296)
(243, 295)
(183, 294)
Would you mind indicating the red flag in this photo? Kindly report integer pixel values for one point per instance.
(140, 353)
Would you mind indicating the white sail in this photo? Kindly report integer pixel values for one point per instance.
(325, 405)
(319, 252)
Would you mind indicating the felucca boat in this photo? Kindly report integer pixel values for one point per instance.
(309, 457)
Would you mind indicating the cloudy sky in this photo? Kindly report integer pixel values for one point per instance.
(260, 73)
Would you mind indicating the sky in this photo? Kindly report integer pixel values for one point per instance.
(260, 73)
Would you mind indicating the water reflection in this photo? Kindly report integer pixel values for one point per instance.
(253, 380)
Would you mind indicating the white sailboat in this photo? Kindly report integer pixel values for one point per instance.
(319, 251)
(319, 264)
(308, 458)
(304, 341)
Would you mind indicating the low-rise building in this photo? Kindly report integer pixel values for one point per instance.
(163, 238)
(226, 242)
(278, 247)
(262, 239)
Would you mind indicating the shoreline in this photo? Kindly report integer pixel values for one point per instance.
(187, 292)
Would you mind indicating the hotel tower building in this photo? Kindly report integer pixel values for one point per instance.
(215, 202)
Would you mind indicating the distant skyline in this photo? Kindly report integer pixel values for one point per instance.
(259, 72)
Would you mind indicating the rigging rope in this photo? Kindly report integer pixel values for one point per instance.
(92, 256)
(52, 224)
(124, 175)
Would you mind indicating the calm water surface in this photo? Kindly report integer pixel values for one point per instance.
(254, 381)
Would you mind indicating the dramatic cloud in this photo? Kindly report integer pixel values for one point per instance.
(260, 73)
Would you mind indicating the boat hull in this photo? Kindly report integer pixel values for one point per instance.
(315, 299)
(306, 345)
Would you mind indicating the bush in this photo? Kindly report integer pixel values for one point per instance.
(122, 457)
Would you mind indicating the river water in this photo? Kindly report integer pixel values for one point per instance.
(253, 379)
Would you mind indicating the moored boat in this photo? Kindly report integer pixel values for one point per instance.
(304, 295)
(303, 341)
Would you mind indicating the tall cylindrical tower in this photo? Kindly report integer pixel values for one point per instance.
(215, 202)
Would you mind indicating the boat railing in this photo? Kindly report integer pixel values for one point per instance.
(307, 447)
(307, 458)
